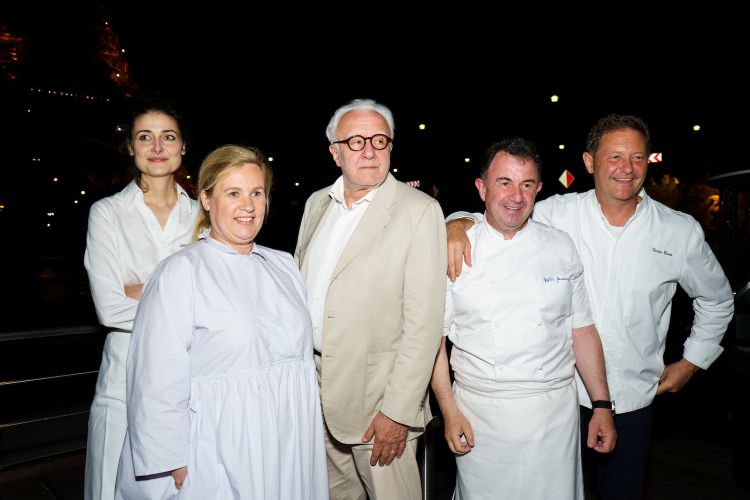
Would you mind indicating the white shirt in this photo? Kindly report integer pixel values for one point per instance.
(510, 316)
(326, 249)
(631, 280)
(123, 245)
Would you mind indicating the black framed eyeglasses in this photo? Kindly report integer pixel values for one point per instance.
(357, 142)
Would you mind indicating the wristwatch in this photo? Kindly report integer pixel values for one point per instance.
(609, 405)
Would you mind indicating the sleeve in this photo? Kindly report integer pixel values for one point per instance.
(424, 297)
(476, 216)
(581, 310)
(113, 308)
(448, 313)
(158, 370)
(704, 281)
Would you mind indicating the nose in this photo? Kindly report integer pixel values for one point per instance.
(248, 206)
(368, 151)
(628, 165)
(158, 146)
(517, 194)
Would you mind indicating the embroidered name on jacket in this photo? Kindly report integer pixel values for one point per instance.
(663, 252)
(555, 279)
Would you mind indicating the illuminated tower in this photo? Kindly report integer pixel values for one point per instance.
(112, 55)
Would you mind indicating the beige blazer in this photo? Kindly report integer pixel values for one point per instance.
(384, 310)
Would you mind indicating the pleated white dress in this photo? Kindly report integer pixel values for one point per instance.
(221, 380)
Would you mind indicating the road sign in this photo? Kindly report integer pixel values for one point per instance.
(566, 179)
(654, 158)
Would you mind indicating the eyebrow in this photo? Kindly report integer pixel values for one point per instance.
(237, 188)
(163, 131)
(511, 180)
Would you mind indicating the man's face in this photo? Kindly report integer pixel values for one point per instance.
(365, 169)
(509, 192)
(618, 165)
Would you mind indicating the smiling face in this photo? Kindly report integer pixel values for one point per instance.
(619, 167)
(156, 145)
(508, 192)
(236, 206)
(365, 169)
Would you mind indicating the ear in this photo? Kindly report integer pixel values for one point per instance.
(335, 154)
(479, 183)
(538, 187)
(588, 160)
(183, 149)
(130, 150)
(205, 201)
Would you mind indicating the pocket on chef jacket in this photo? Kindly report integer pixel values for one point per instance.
(557, 293)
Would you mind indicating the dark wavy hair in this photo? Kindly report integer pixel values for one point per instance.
(514, 146)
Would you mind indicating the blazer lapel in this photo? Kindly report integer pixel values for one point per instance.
(373, 222)
(312, 229)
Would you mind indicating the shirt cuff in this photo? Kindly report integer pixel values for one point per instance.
(701, 354)
(459, 215)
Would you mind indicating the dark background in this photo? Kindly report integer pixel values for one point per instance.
(272, 75)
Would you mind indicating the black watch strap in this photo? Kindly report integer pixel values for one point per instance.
(608, 405)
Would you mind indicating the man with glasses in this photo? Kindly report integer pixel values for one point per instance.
(372, 253)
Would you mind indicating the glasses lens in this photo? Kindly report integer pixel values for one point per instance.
(356, 142)
(379, 141)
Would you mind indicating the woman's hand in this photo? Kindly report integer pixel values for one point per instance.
(179, 476)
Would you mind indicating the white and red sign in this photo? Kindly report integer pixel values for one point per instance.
(654, 158)
(566, 179)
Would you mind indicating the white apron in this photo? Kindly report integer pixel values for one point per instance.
(526, 442)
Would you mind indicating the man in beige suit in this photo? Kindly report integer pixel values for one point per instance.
(372, 253)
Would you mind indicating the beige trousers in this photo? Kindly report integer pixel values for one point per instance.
(351, 477)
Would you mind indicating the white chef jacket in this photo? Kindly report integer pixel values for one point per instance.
(631, 280)
(123, 245)
(510, 316)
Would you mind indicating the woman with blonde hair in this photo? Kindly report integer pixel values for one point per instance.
(222, 393)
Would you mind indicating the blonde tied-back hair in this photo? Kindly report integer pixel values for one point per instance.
(219, 160)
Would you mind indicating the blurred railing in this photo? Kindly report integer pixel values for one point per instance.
(47, 380)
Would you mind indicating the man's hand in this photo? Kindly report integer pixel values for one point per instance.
(675, 376)
(390, 439)
(456, 425)
(459, 248)
(134, 291)
(602, 434)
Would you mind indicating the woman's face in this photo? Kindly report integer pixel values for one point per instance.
(237, 206)
(156, 145)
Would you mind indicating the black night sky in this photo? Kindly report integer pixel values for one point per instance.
(273, 79)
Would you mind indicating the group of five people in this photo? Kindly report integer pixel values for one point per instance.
(247, 373)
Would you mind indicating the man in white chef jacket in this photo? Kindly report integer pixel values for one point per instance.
(520, 324)
(636, 251)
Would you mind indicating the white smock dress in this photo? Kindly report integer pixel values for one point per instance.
(221, 379)
(510, 317)
(124, 244)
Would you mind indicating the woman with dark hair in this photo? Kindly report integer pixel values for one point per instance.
(128, 234)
